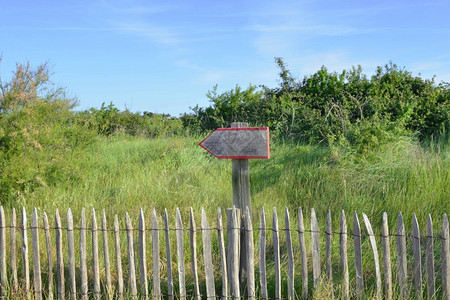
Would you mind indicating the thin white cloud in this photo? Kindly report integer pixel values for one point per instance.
(330, 30)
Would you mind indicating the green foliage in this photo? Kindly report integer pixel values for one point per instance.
(39, 136)
(110, 120)
(339, 109)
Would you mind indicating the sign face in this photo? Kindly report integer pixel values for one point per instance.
(238, 143)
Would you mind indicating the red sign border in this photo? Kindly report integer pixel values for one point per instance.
(240, 157)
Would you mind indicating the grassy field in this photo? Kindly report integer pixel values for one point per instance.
(127, 173)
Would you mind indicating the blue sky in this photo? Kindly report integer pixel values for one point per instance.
(164, 56)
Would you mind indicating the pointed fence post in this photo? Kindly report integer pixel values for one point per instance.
(131, 263)
(179, 231)
(315, 248)
(358, 257)
(118, 258)
(223, 258)
(71, 255)
(385, 240)
(3, 279)
(445, 248)
(290, 252)
(49, 256)
(59, 257)
(430, 258)
(142, 255)
(276, 253)
(106, 257)
(251, 292)
(36, 255)
(83, 255)
(193, 237)
(401, 256)
(168, 257)
(262, 255)
(343, 254)
(155, 257)
(417, 258)
(301, 238)
(375, 254)
(207, 257)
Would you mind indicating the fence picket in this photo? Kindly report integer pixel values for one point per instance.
(343, 254)
(315, 248)
(223, 259)
(301, 238)
(3, 278)
(328, 234)
(193, 240)
(168, 257)
(71, 255)
(26, 264)
(417, 257)
(233, 241)
(385, 240)
(401, 256)
(106, 257)
(155, 257)
(251, 292)
(49, 255)
(59, 256)
(445, 248)
(276, 253)
(15, 282)
(290, 253)
(262, 255)
(180, 254)
(131, 267)
(95, 261)
(36, 255)
(118, 258)
(375, 254)
(358, 257)
(429, 257)
(207, 256)
(83, 255)
(142, 255)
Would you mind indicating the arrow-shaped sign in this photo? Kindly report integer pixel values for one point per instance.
(238, 143)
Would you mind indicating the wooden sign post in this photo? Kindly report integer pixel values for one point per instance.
(239, 143)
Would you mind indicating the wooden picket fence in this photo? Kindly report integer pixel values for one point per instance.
(220, 278)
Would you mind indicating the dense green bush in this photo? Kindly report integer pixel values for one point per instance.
(110, 120)
(346, 108)
(39, 134)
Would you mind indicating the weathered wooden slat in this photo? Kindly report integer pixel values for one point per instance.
(131, 264)
(168, 257)
(417, 265)
(233, 243)
(83, 255)
(207, 256)
(71, 255)
(401, 256)
(301, 238)
(106, 257)
(15, 282)
(3, 278)
(315, 248)
(276, 253)
(48, 242)
(344, 258)
(376, 259)
(385, 240)
(95, 261)
(290, 253)
(142, 256)
(59, 257)
(26, 264)
(36, 255)
(262, 255)
(179, 231)
(155, 257)
(193, 240)
(223, 259)
(358, 257)
(118, 258)
(248, 227)
(445, 248)
(328, 234)
(430, 258)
